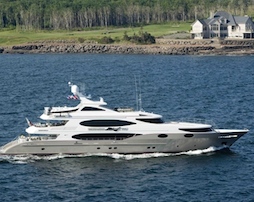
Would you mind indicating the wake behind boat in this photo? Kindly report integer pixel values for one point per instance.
(91, 127)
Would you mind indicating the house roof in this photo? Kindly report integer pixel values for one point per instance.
(241, 20)
(221, 15)
(230, 18)
(203, 22)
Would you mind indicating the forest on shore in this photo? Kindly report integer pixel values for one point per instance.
(81, 14)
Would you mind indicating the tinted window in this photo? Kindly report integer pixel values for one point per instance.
(151, 120)
(188, 135)
(196, 129)
(103, 136)
(91, 109)
(67, 111)
(162, 136)
(105, 123)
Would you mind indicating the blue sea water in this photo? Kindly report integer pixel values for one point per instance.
(216, 88)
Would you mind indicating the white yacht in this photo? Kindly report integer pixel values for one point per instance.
(91, 127)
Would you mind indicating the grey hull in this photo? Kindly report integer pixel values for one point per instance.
(173, 143)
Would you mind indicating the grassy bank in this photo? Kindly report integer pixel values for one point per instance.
(15, 37)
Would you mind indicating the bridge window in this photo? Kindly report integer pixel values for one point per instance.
(105, 123)
(196, 129)
(156, 120)
(92, 109)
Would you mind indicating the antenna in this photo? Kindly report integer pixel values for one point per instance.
(138, 94)
(140, 98)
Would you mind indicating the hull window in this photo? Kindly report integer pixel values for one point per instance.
(105, 123)
(162, 136)
(188, 135)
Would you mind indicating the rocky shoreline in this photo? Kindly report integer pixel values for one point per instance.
(162, 47)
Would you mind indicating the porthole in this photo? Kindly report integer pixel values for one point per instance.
(188, 135)
(148, 147)
(42, 148)
(115, 147)
(153, 147)
(110, 147)
(98, 148)
(162, 136)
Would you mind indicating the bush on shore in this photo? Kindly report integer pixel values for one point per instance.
(141, 38)
(106, 40)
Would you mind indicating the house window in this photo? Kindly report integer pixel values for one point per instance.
(198, 35)
(223, 35)
(223, 20)
(223, 27)
(246, 35)
(215, 27)
(248, 27)
(214, 35)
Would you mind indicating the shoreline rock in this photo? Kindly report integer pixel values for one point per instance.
(162, 47)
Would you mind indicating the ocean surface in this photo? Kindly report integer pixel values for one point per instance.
(215, 88)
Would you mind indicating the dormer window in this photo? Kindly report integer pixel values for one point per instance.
(223, 21)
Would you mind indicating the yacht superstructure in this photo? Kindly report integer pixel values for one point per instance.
(91, 127)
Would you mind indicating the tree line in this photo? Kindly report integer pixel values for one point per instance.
(80, 14)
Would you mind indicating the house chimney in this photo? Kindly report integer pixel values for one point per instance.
(211, 14)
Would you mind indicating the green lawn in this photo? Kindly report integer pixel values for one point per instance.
(15, 37)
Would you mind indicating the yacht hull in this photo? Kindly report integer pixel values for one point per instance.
(149, 143)
(91, 128)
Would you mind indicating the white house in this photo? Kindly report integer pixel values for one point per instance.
(223, 25)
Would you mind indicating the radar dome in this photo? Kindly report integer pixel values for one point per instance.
(75, 89)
